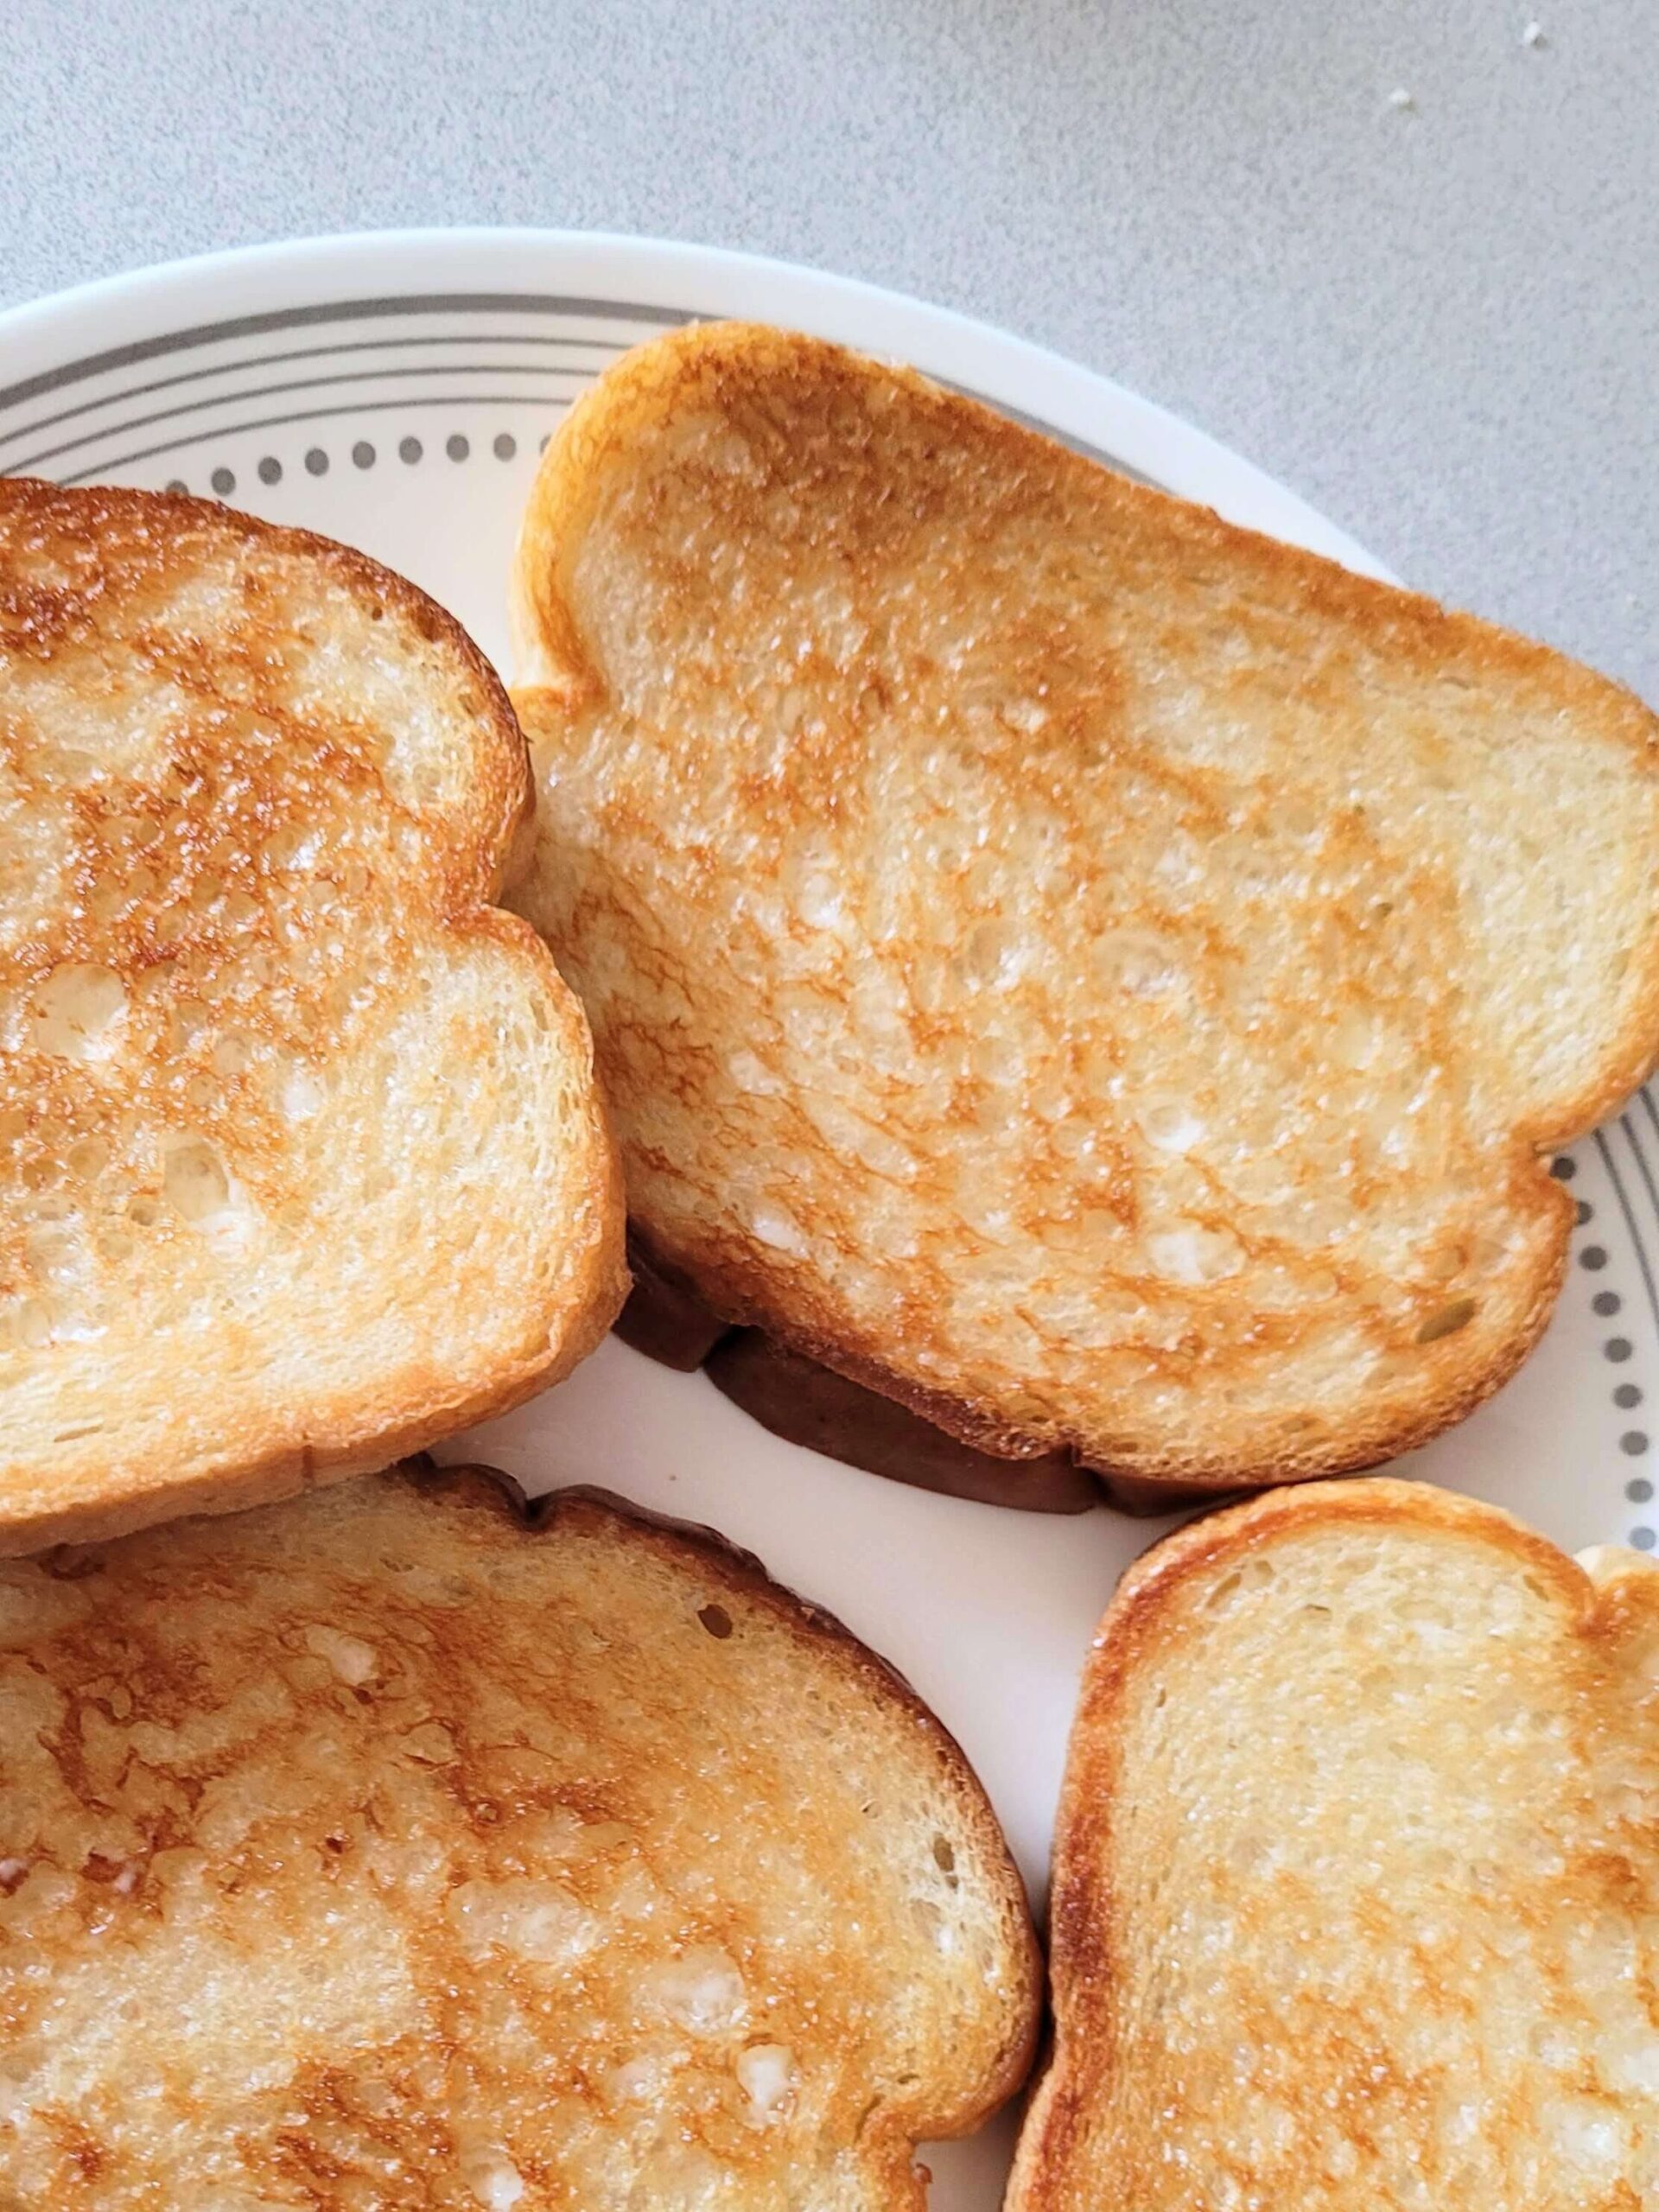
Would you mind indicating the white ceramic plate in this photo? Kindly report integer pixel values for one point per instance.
(393, 391)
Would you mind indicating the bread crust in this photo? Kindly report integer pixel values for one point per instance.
(701, 374)
(820, 1631)
(1085, 1916)
(977, 1425)
(456, 1779)
(468, 849)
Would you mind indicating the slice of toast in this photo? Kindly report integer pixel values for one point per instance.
(379, 1849)
(301, 1159)
(1104, 979)
(1356, 1898)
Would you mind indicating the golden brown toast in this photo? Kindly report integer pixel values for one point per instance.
(301, 1159)
(1103, 978)
(390, 1848)
(1356, 1901)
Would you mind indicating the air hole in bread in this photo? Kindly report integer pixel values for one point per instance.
(88, 1158)
(1446, 1320)
(189, 1020)
(1223, 1593)
(194, 1179)
(716, 1620)
(78, 1012)
(31, 1323)
(944, 1857)
(233, 1053)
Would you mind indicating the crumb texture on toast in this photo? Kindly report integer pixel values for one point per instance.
(299, 1145)
(1096, 974)
(1356, 1877)
(376, 1849)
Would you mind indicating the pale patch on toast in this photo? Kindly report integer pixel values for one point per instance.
(301, 1160)
(378, 1849)
(1098, 976)
(1357, 1875)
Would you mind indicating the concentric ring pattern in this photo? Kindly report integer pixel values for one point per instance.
(285, 410)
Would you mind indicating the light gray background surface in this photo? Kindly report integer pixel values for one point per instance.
(1439, 321)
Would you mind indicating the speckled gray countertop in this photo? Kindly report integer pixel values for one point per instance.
(1403, 253)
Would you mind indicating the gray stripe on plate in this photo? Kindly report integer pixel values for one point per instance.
(608, 346)
(1626, 1209)
(307, 318)
(293, 383)
(1630, 1126)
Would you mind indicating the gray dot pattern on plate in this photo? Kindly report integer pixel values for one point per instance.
(457, 447)
(223, 481)
(270, 470)
(362, 454)
(409, 449)
(1642, 1539)
(505, 445)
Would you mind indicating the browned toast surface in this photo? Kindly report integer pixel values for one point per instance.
(1100, 976)
(300, 1159)
(378, 1849)
(1356, 1902)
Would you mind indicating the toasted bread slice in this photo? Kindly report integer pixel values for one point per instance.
(1101, 977)
(1356, 1893)
(381, 1849)
(301, 1159)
